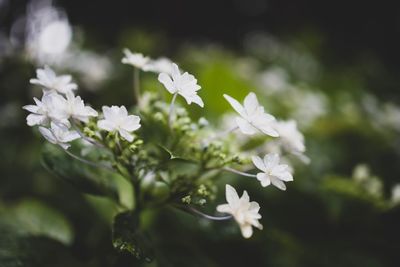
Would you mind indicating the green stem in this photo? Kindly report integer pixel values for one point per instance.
(171, 111)
(88, 162)
(136, 86)
(238, 172)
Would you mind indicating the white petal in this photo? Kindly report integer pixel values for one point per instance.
(31, 108)
(122, 112)
(48, 135)
(126, 135)
(131, 123)
(71, 136)
(91, 112)
(264, 179)
(247, 230)
(258, 162)
(106, 125)
(231, 195)
(254, 207)
(65, 146)
(175, 70)
(107, 112)
(35, 81)
(235, 104)
(33, 119)
(251, 103)
(245, 196)
(197, 99)
(245, 127)
(278, 183)
(167, 82)
(224, 208)
(268, 130)
(271, 160)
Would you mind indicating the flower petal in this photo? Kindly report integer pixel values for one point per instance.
(224, 208)
(126, 135)
(264, 179)
(258, 162)
(167, 82)
(106, 125)
(231, 195)
(250, 103)
(247, 230)
(235, 104)
(278, 183)
(245, 127)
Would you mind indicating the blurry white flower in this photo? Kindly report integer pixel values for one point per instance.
(159, 66)
(274, 80)
(74, 107)
(59, 135)
(48, 31)
(307, 105)
(135, 59)
(203, 122)
(48, 79)
(252, 116)
(272, 171)
(395, 194)
(117, 119)
(55, 37)
(183, 84)
(93, 68)
(46, 110)
(361, 173)
(243, 211)
(291, 138)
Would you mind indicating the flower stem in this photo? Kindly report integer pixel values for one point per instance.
(209, 217)
(171, 111)
(136, 86)
(238, 172)
(91, 163)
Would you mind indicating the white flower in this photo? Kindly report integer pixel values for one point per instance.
(159, 66)
(395, 198)
(45, 110)
(117, 119)
(252, 116)
(183, 84)
(135, 59)
(74, 107)
(272, 171)
(243, 211)
(47, 78)
(59, 135)
(291, 138)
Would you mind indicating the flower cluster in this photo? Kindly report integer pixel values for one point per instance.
(147, 149)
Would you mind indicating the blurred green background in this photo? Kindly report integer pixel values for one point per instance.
(331, 66)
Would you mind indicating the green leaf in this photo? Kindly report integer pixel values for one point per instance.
(87, 179)
(17, 250)
(31, 217)
(127, 238)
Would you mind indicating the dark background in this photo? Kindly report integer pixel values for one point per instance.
(347, 32)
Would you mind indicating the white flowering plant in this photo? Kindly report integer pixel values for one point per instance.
(154, 154)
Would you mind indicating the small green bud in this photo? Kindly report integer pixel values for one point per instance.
(187, 199)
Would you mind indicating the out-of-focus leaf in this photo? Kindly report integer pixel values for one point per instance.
(87, 179)
(348, 187)
(17, 250)
(127, 238)
(33, 218)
